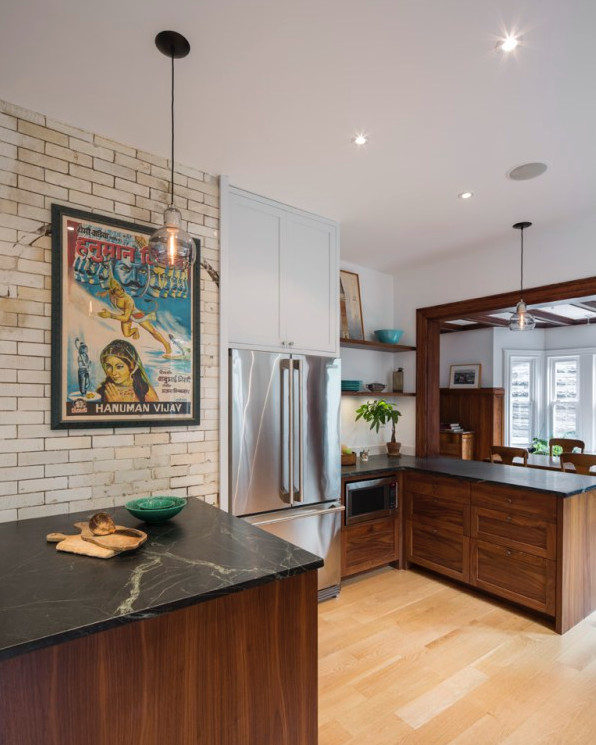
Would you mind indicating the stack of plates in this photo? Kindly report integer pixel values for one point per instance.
(351, 385)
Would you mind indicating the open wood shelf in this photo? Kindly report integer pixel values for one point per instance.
(375, 345)
(377, 394)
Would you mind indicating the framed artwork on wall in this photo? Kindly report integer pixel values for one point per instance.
(125, 332)
(464, 376)
(352, 326)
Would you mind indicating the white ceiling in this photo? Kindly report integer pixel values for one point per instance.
(273, 91)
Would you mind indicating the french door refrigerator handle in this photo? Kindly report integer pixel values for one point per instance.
(285, 371)
(300, 494)
(291, 429)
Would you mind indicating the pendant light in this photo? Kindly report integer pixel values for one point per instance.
(521, 320)
(171, 246)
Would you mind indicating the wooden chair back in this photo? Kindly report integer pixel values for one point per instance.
(582, 462)
(566, 443)
(502, 454)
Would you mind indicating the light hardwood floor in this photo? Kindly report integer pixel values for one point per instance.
(406, 658)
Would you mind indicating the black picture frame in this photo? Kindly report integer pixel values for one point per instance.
(125, 338)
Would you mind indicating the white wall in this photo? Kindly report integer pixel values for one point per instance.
(376, 294)
(552, 253)
(464, 347)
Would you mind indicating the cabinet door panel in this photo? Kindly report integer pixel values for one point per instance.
(451, 515)
(515, 575)
(445, 486)
(511, 498)
(254, 272)
(310, 304)
(369, 544)
(523, 532)
(439, 550)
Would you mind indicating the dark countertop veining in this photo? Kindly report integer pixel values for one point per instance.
(556, 482)
(47, 596)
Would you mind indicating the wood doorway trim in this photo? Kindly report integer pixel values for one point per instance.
(428, 326)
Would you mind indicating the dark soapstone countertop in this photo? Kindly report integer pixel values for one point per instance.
(47, 596)
(556, 482)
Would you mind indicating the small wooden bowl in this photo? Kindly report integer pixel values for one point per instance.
(348, 460)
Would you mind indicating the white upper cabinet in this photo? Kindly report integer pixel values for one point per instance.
(283, 277)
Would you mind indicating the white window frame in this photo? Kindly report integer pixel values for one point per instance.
(536, 358)
(586, 418)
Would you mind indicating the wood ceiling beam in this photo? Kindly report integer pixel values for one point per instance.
(551, 317)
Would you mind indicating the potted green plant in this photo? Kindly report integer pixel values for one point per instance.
(379, 413)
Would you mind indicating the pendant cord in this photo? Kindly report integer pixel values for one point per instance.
(172, 162)
(522, 266)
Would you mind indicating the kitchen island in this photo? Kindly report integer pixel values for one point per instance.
(525, 535)
(206, 635)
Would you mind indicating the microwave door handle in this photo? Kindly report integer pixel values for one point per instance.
(300, 493)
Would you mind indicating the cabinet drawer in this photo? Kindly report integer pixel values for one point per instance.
(443, 486)
(369, 544)
(437, 549)
(515, 530)
(448, 514)
(515, 575)
(515, 500)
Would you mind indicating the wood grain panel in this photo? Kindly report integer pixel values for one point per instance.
(515, 575)
(519, 531)
(510, 498)
(476, 409)
(440, 550)
(576, 576)
(370, 544)
(237, 669)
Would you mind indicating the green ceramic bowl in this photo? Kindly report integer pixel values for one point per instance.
(155, 509)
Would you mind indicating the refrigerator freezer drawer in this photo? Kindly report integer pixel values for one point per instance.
(315, 529)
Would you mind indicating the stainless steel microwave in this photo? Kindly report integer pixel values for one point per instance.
(368, 499)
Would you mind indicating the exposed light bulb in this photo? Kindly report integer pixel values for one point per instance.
(508, 44)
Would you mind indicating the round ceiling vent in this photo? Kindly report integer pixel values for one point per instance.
(527, 171)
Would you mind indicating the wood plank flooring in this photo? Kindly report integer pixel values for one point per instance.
(406, 658)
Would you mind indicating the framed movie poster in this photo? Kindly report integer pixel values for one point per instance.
(125, 331)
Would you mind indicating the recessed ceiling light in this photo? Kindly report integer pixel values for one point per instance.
(508, 44)
(360, 139)
(526, 171)
(466, 194)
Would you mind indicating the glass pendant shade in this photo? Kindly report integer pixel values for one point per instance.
(171, 246)
(521, 320)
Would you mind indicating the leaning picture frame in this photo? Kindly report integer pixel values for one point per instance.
(125, 331)
(464, 376)
(352, 326)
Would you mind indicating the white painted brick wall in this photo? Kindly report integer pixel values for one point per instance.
(44, 471)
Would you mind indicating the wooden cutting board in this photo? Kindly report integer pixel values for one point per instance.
(98, 546)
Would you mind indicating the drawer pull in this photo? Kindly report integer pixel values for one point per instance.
(508, 518)
(509, 552)
(509, 500)
(434, 531)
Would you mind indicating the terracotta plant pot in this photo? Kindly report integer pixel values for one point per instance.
(393, 448)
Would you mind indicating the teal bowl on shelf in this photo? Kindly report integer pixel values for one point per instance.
(155, 509)
(389, 336)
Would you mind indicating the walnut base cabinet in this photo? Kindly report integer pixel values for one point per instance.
(370, 544)
(437, 524)
(533, 548)
(235, 669)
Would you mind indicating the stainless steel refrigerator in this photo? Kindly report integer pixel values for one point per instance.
(285, 464)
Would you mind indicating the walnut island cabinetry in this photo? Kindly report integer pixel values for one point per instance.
(524, 535)
(207, 635)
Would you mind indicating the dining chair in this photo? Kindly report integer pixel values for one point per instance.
(502, 454)
(566, 443)
(582, 462)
